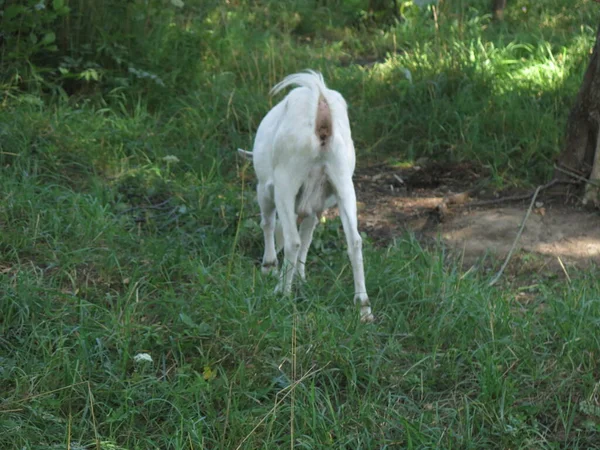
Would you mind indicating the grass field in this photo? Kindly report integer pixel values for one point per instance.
(129, 226)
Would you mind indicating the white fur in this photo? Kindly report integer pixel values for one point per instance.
(301, 173)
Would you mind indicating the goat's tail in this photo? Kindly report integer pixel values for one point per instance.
(245, 154)
(315, 82)
(309, 78)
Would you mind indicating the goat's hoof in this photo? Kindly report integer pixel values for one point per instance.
(366, 315)
(279, 288)
(302, 275)
(283, 289)
(268, 268)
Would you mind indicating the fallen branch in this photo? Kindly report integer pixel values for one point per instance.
(577, 176)
(514, 245)
(515, 198)
(462, 199)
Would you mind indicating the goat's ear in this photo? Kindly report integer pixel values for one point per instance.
(245, 154)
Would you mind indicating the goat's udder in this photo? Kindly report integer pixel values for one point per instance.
(303, 215)
(323, 125)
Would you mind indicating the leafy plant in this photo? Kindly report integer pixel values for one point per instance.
(28, 32)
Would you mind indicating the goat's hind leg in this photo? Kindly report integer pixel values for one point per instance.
(307, 227)
(267, 223)
(285, 194)
(346, 197)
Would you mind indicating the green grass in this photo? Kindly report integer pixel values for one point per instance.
(129, 226)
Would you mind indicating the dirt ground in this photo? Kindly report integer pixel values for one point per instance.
(557, 235)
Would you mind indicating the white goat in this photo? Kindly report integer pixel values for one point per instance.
(304, 160)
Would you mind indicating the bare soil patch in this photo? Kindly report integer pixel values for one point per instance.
(393, 200)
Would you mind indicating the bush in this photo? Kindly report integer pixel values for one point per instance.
(90, 44)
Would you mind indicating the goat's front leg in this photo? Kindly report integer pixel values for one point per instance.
(347, 206)
(307, 227)
(267, 223)
(285, 196)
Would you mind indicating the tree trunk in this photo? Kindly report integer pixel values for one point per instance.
(581, 140)
(498, 8)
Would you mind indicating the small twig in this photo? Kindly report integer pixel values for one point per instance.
(576, 176)
(461, 200)
(514, 245)
(290, 388)
(562, 266)
(227, 412)
(400, 180)
(43, 394)
(94, 423)
(513, 198)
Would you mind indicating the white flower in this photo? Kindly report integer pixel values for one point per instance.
(177, 3)
(142, 357)
(170, 159)
(407, 74)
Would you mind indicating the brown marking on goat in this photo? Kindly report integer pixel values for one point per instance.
(301, 217)
(323, 125)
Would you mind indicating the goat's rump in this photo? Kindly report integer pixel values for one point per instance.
(323, 122)
(323, 116)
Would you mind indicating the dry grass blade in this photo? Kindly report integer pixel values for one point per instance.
(289, 390)
(516, 241)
